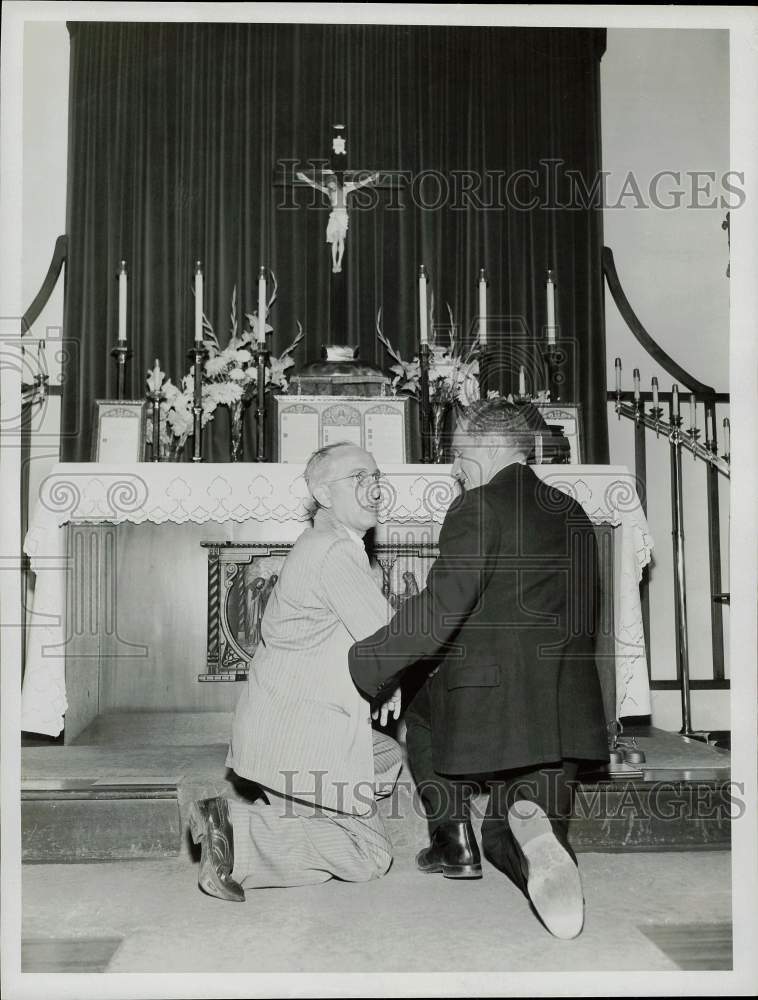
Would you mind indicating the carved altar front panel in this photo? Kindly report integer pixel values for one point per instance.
(242, 575)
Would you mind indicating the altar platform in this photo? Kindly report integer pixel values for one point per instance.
(126, 784)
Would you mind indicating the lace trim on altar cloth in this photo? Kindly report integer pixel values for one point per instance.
(161, 493)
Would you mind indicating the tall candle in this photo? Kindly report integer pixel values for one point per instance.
(675, 399)
(709, 435)
(122, 302)
(617, 364)
(157, 380)
(636, 378)
(727, 435)
(261, 333)
(550, 308)
(655, 392)
(422, 313)
(693, 413)
(521, 381)
(482, 307)
(198, 302)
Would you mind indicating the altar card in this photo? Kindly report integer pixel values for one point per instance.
(305, 423)
(298, 434)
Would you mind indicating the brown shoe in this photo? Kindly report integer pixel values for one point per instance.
(211, 827)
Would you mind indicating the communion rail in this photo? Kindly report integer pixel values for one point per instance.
(660, 412)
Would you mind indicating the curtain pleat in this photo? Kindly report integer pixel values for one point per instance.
(174, 136)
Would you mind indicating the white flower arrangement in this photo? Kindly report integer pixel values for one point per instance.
(230, 376)
(452, 375)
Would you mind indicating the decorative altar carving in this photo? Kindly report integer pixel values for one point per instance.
(241, 576)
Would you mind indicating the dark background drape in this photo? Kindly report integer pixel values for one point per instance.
(174, 136)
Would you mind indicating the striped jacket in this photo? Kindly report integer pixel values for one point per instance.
(301, 727)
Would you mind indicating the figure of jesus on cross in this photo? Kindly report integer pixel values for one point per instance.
(337, 193)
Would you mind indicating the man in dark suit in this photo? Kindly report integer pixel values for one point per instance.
(505, 625)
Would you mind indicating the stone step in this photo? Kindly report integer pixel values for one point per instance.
(126, 794)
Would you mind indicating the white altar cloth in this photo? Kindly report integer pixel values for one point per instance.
(271, 501)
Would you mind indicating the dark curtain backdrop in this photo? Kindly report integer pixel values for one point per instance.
(175, 133)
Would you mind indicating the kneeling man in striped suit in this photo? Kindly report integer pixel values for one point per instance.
(302, 731)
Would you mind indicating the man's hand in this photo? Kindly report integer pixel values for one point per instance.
(391, 705)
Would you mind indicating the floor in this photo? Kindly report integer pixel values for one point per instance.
(644, 911)
(405, 921)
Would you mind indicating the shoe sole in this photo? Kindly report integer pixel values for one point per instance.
(452, 871)
(553, 883)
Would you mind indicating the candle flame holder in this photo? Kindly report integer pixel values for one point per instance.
(673, 430)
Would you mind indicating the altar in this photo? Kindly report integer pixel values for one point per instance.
(119, 617)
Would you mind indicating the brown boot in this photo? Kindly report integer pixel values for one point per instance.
(211, 827)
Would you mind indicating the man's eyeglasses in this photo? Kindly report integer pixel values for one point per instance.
(362, 479)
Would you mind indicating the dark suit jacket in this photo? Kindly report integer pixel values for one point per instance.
(510, 607)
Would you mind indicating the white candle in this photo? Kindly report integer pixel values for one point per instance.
(675, 399)
(617, 364)
(693, 413)
(726, 436)
(198, 302)
(636, 378)
(550, 308)
(261, 333)
(655, 392)
(122, 302)
(708, 425)
(521, 381)
(482, 307)
(422, 313)
(157, 380)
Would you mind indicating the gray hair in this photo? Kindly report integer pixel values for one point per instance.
(514, 425)
(319, 464)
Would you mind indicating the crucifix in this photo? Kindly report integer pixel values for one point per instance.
(332, 179)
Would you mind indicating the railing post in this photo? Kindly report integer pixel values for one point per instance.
(680, 591)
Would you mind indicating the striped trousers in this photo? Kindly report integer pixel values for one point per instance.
(286, 843)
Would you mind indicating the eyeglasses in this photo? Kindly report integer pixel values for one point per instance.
(362, 478)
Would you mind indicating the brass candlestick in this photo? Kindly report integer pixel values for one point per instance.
(155, 397)
(198, 355)
(121, 353)
(553, 357)
(424, 403)
(261, 358)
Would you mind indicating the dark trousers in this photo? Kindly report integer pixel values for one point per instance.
(447, 798)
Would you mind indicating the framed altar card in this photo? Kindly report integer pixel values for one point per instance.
(377, 423)
(119, 430)
(564, 446)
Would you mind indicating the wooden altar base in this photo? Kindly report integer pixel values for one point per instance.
(123, 790)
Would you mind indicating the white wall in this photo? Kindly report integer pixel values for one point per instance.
(665, 106)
